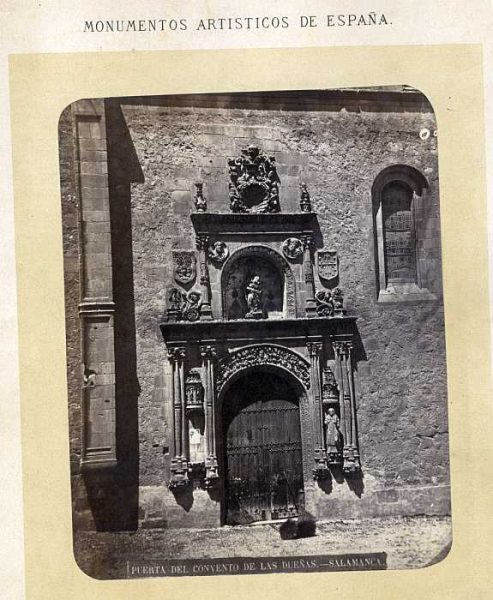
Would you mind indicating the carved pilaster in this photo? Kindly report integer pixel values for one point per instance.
(179, 446)
(320, 463)
(202, 243)
(209, 355)
(343, 357)
(310, 304)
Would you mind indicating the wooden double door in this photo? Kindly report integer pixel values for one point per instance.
(263, 453)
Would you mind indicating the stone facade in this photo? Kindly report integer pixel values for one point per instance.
(129, 170)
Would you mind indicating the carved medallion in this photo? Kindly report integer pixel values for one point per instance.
(184, 266)
(218, 252)
(292, 248)
(254, 185)
(328, 264)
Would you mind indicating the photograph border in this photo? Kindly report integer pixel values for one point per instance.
(453, 83)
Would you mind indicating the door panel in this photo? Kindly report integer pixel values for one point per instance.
(264, 475)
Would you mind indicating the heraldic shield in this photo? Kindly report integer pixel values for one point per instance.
(328, 265)
(184, 266)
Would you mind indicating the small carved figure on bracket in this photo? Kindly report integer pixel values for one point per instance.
(253, 298)
(305, 202)
(338, 300)
(218, 252)
(200, 201)
(332, 437)
(292, 248)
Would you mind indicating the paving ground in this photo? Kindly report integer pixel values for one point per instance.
(410, 542)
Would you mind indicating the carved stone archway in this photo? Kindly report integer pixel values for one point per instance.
(265, 252)
(262, 355)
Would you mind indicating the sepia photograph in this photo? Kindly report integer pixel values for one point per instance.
(255, 334)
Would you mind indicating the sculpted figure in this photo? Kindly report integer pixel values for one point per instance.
(253, 298)
(332, 435)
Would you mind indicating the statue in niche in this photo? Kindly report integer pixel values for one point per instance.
(292, 248)
(332, 437)
(218, 252)
(253, 298)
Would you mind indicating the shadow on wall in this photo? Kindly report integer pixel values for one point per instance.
(113, 494)
(354, 481)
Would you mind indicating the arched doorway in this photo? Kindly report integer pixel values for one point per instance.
(262, 448)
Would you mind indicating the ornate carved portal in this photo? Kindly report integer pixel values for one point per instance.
(268, 309)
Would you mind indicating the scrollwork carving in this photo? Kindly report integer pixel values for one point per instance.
(182, 306)
(260, 355)
(330, 304)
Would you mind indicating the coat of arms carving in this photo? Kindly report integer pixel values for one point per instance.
(184, 266)
(254, 185)
(328, 264)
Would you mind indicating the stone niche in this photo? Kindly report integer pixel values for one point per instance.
(237, 278)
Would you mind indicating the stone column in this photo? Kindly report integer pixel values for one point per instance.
(310, 304)
(179, 445)
(202, 243)
(320, 463)
(343, 357)
(96, 307)
(209, 354)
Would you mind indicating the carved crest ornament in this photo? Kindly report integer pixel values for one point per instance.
(259, 355)
(328, 264)
(254, 182)
(185, 269)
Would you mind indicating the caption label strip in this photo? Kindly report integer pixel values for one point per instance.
(243, 566)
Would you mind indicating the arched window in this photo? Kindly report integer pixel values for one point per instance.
(400, 215)
(399, 235)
